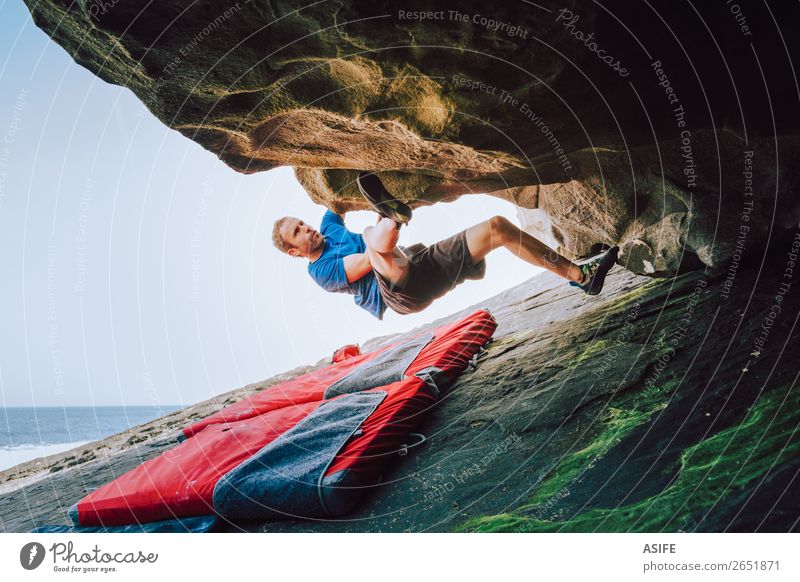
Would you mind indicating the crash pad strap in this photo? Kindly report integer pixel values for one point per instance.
(284, 478)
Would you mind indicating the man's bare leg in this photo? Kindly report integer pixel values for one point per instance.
(385, 257)
(498, 232)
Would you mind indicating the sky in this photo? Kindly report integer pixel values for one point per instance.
(138, 269)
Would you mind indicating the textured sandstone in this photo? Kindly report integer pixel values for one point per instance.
(449, 106)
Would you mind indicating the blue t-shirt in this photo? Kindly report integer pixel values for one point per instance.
(328, 270)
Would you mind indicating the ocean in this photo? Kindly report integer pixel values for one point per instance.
(30, 432)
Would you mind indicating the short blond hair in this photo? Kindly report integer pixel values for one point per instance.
(277, 237)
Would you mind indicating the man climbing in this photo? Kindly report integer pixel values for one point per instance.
(382, 274)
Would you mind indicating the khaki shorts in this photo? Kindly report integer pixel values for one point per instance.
(433, 271)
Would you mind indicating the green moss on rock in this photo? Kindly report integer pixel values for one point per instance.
(709, 472)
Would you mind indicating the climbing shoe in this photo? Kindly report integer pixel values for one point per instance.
(594, 272)
(384, 203)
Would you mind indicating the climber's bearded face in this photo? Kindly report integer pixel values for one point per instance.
(300, 238)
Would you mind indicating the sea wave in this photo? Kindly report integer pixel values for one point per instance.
(11, 456)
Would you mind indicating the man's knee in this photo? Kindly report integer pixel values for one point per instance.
(367, 235)
(502, 227)
(380, 239)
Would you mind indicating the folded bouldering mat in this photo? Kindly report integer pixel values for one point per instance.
(305, 448)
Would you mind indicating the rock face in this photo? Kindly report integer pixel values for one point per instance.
(628, 123)
(659, 405)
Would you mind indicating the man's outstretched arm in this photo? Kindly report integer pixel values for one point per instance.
(331, 219)
(356, 266)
